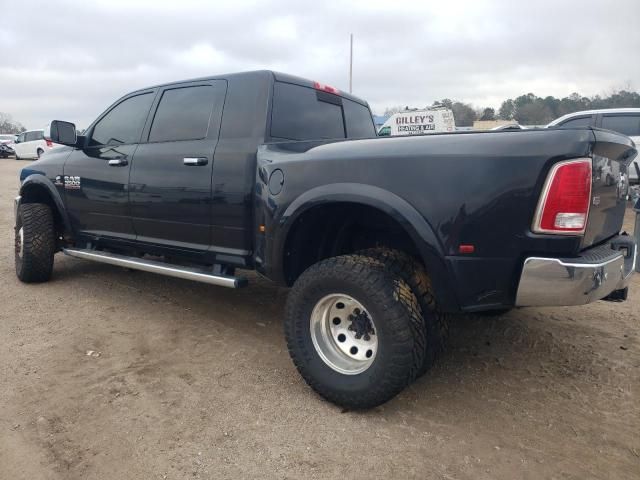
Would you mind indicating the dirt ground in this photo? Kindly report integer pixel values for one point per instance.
(112, 374)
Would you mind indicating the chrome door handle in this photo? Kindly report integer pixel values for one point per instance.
(195, 161)
(118, 162)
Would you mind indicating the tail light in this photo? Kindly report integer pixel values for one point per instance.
(49, 143)
(326, 88)
(563, 207)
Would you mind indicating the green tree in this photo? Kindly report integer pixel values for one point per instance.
(507, 110)
(488, 114)
(445, 102)
(463, 114)
(8, 125)
(534, 113)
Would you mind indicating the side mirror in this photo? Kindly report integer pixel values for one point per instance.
(61, 132)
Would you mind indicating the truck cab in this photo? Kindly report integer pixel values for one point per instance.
(170, 169)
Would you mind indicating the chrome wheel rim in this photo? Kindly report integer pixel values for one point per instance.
(20, 243)
(343, 334)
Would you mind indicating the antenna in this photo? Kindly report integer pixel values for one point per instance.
(351, 64)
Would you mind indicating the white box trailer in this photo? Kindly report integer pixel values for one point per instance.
(417, 122)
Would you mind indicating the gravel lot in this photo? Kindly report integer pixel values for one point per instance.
(185, 380)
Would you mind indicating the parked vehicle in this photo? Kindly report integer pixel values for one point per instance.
(378, 238)
(5, 150)
(31, 144)
(417, 122)
(7, 138)
(621, 120)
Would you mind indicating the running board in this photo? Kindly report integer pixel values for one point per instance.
(157, 267)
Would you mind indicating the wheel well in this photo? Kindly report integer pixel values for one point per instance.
(337, 229)
(39, 194)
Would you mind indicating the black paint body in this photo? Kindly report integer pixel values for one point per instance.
(478, 188)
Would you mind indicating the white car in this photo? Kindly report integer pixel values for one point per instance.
(7, 138)
(31, 144)
(621, 120)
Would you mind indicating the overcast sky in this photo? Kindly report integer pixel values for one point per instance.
(69, 60)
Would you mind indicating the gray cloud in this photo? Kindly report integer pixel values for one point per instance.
(70, 60)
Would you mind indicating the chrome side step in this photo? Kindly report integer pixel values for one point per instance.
(157, 267)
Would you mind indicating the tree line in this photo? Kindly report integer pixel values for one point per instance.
(8, 125)
(530, 109)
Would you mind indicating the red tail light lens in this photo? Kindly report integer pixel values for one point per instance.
(49, 143)
(564, 205)
(326, 88)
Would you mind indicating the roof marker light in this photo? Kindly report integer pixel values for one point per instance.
(326, 88)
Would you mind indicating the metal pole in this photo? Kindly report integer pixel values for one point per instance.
(351, 64)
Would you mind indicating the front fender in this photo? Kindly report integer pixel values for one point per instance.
(39, 181)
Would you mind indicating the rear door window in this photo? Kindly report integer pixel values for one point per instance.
(626, 124)
(185, 113)
(299, 114)
(124, 123)
(577, 122)
(359, 120)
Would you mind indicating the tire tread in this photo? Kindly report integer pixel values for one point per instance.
(436, 323)
(401, 312)
(36, 264)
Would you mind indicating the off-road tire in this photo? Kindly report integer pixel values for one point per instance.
(396, 315)
(38, 242)
(413, 273)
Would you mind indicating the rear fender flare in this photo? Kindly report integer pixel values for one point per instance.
(416, 226)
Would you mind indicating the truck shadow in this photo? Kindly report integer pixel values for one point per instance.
(504, 361)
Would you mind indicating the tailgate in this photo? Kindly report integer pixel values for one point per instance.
(612, 155)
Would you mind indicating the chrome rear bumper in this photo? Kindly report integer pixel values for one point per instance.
(16, 204)
(577, 281)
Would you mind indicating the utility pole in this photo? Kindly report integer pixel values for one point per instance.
(351, 64)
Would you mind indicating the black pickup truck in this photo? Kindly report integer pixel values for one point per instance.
(380, 238)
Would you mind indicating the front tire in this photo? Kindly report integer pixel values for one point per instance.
(34, 242)
(354, 331)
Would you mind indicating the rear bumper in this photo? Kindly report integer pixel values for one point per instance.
(592, 276)
(16, 204)
(633, 170)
